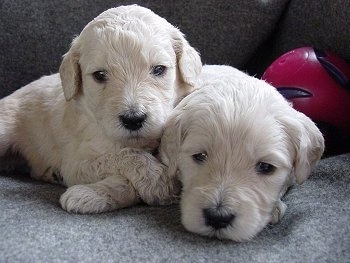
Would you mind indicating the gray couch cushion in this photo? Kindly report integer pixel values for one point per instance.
(323, 24)
(35, 229)
(35, 34)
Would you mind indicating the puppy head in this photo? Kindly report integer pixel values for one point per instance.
(235, 143)
(126, 70)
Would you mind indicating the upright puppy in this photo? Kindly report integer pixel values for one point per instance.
(117, 85)
(236, 145)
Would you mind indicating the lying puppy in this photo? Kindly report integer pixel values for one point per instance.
(236, 145)
(117, 85)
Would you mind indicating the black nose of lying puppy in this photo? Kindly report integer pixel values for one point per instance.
(216, 218)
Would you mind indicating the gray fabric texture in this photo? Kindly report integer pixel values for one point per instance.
(322, 24)
(35, 34)
(34, 228)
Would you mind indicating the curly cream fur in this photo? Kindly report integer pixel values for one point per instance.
(237, 121)
(62, 123)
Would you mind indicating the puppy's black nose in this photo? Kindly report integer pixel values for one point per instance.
(217, 219)
(133, 120)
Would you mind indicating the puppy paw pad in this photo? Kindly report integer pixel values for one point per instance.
(278, 212)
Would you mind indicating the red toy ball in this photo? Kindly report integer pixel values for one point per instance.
(318, 84)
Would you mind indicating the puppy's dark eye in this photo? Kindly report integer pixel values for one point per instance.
(199, 157)
(264, 168)
(100, 76)
(158, 70)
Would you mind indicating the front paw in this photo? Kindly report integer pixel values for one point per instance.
(166, 193)
(278, 212)
(83, 199)
(161, 200)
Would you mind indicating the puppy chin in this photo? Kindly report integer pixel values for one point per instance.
(248, 222)
(147, 144)
(239, 231)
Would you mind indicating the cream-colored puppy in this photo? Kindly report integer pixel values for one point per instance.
(236, 145)
(117, 85)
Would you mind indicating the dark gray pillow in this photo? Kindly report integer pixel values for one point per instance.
(34, 34)
(323, 24)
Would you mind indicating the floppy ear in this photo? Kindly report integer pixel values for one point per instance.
(307, 141)
(188, 62)
(171, 142)
(70, 73)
